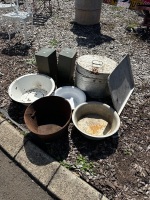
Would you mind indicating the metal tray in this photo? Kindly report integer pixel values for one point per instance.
(121, 84)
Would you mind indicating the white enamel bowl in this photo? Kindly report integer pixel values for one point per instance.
(74, 95)
(30, 87)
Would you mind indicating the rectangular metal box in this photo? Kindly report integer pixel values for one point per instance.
(66, 65)
(46, 61)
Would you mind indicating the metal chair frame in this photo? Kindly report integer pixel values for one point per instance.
(20, 17)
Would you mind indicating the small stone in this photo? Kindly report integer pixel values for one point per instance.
(87, 173)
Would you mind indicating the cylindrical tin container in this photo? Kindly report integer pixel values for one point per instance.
(87, 12)
(91, 75)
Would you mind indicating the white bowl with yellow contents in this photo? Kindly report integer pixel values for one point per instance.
(96, 120)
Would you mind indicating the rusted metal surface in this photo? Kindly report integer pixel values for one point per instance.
(94, 125)
(48, 117)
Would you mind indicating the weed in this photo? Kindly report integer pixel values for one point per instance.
(53, 42)
(65, 164)
(23, 133)
(127, 152)
(117, 15)
(132, 24)
(84, 164)
(31, 61)
(117, 8)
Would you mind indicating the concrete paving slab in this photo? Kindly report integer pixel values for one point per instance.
(37, 162)
(10, 138)
(67, 186)
(59, 181)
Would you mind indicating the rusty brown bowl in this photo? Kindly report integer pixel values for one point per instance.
(48, 117)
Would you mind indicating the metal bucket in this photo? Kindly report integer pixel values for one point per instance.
(91, 75)
(48, 117)
(87, 12)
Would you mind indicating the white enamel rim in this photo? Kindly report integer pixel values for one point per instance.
(80, 93)
(26, 75)
(91, 136)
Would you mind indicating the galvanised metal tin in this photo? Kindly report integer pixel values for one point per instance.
(91, 75)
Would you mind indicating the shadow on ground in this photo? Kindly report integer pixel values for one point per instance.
(141, 32)
(57, 148)
(18, 49)
(5, 36)
(93, 149)
(16, 112)
(36, 157)
(90, 36)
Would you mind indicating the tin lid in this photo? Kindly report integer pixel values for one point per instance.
(121, 84)
(94, 65)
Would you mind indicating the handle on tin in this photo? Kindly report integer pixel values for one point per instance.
(97, 62)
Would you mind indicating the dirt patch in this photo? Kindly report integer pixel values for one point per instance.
(118, 166)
